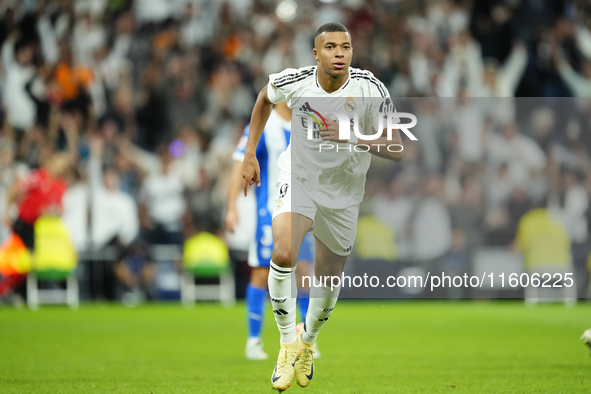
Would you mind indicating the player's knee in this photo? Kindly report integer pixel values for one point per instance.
(282, 256)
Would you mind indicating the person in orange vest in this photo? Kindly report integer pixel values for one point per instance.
(71, 79)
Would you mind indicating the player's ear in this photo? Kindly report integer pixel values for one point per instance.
(315, 53)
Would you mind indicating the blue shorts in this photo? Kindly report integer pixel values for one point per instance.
(261, 247)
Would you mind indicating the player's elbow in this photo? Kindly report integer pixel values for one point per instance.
(398, 154)
(263, 97)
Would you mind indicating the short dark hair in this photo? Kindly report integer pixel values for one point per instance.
(331, 27)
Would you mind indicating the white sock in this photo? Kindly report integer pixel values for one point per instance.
(322, 302)
(283, 294)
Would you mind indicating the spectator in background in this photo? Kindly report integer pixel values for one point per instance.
(394, 208)
(542, 123)
(464, 60)
(420, 64)
(113, 212)
(433, 133)
(151, 114)
(73, 80)
(113, 217)
(76, 211)
(186, 99)
(518, 205)
(498, 185)
(162, 201)
(499, 229)
(467, 214)
(526, 159)
(19, 70)
(88, 35)
(123, 110)
(228, 98)
(430, 224)
(129, 176)
(495, 80)
(456, 261)
(39, 193)
(491, 24)
(542, 239)
(137, 274)
(110, 133)
(578, 83)
(191, 155)
(570, 204)
(469, 123)
(10, 172)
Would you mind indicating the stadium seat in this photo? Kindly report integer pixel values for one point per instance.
(496, 261)
(166, 259)
(36, 296)
(54, 259)
(551, 274)
(206, 256)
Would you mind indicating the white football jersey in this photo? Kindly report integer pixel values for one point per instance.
(333, 178)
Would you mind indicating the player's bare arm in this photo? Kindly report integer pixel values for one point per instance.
(376, 146)
(236, 183)
(251, 171)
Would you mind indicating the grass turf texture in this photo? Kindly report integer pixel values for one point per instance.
(367, 347)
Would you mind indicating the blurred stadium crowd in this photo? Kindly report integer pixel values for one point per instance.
(147, 98)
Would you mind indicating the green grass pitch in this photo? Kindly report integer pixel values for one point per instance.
(367, 347)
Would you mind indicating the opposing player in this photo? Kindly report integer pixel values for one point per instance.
(327, 188)
(273, 142)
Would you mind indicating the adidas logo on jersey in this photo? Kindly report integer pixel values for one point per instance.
(306, 107)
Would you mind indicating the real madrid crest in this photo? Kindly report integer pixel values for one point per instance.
(279, 205)
(350, 104)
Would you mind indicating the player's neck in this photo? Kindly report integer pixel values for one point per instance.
(329, 83)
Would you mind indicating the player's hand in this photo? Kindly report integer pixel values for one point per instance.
(332, 134)
(231, 220)
(251, 172)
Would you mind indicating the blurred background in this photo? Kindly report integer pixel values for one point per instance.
(147, 99)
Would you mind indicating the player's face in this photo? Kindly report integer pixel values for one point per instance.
(334, 52)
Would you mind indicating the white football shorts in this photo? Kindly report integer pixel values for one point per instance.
(336, 228)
